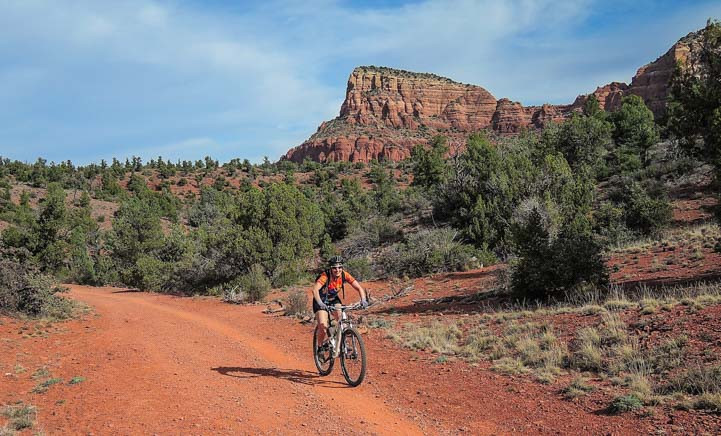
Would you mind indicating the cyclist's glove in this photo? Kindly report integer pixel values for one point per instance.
(364, 303)
(322, 306)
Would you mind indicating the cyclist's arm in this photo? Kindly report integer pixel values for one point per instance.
(359, 288)
(316, 292)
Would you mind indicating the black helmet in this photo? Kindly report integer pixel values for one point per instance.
(335, 261)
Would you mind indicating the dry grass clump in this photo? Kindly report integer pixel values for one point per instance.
(20, 416)
(376, 322)
(481, 341)
(579, 387)
(43, 387)
(509, 366)
(695, 236)
(649, 306)
(522, 348)
(710, 402)
(617, 304)
(698, 380)
(437, 338)
(588, 355)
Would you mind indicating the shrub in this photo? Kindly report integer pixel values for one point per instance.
(296, 304)
(23, 290)
(369, 235)
(255, 283)
(610, 225)
(209, 208)
(289, 273)
(626, 403)
(582, 139)
(484, 186)
(648, 214)
(292, 222)
(427, 252)
(136, 234)
(555, 268)
(151, 273)
(360, 268)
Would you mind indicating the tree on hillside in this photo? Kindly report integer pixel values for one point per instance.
(484, 186)
(51, 230)
(582, 139)
(385, 192)
(634, 125)
(84, 241)
(694, 108)
(634, 131)
(592, 107)
(289, 220)
(428, 165)
(136, 237)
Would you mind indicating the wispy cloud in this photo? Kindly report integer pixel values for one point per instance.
(84, 79)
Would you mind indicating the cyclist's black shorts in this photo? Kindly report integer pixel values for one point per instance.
(329, 300)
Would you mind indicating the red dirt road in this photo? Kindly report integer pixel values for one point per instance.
(160, 364)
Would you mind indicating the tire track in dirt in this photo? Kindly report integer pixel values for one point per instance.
(178, 367)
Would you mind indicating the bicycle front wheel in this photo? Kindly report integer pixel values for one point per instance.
(353, 357)
(323, 357)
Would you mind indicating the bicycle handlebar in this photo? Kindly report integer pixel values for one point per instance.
(355, 306)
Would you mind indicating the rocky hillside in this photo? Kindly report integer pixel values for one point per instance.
(387, 111)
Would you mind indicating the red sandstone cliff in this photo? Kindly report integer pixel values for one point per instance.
(387, 112)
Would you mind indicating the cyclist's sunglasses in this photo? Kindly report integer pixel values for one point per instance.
(337, 267)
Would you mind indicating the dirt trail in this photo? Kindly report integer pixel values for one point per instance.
(160, 364)
(216, 374)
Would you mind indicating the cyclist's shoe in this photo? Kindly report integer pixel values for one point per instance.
(323, 351)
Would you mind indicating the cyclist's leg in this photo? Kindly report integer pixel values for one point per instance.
(337, 311)
(321, 326)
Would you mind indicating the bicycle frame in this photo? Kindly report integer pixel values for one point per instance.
(345, 321)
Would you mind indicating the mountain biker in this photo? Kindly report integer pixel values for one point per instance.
(325, 294)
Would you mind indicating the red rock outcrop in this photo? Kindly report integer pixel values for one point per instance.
(383, 97)
(386, 112)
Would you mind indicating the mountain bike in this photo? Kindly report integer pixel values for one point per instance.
(345, 342)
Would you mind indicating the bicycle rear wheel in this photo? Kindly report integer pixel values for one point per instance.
(353, 357)
(322, 357)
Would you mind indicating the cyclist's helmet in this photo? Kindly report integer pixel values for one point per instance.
(335, 261)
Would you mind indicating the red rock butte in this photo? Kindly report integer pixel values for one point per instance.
(387, 112)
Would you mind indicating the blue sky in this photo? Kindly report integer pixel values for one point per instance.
(87, 80)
